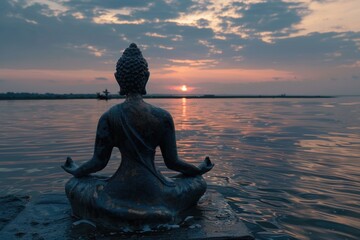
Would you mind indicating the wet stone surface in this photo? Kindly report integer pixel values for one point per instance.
(49, 217)
(10, 207)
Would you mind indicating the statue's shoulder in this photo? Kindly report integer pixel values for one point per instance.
(160, 112)
(115, 110)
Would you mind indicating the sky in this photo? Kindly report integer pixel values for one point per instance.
(211, 46)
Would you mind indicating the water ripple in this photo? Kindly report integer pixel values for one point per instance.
(288, 167)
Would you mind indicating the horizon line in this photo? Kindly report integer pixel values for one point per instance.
(49, 96)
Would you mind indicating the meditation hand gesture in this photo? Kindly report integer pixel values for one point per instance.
(70, 166)
(205, 166)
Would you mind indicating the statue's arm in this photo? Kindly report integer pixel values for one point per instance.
(102, 152)
(169, 152)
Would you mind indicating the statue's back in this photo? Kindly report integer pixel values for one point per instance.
(148, 122)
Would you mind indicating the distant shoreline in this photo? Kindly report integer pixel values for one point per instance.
(50, 96)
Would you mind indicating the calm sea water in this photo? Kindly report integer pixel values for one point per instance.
(290, 168)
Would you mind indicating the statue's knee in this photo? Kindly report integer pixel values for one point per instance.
(70, 185)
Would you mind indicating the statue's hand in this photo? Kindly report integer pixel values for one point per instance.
(205, 166)
(70, 166)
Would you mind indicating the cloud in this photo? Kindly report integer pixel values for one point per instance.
(270, 15)
(330, 16)
(72, 42)
(155, 35)
(285, 36)
(97, 52)
(194, 63)
(312, 51)
(101, 78)
(354, 65)
(46, 45)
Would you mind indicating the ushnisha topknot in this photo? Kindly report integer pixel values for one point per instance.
(132, 71)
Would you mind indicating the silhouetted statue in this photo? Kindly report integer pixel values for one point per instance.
(137, 193)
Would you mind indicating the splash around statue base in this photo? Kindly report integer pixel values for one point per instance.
(132, 212)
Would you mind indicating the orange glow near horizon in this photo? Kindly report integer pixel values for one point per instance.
(185, 79)
(185, 74)
(66, 77)
(231, 75)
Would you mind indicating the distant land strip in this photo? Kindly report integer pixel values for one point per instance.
(49, 96)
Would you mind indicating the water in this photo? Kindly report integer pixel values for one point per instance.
(288, 167)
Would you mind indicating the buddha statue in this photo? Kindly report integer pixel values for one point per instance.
(137, 194)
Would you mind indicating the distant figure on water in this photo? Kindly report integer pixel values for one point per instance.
(137, 193)
(104, 96)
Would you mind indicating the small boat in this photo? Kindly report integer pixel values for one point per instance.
(104, 96)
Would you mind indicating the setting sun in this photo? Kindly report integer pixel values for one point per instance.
(184, 88)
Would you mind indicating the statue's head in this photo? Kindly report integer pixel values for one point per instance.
(132, 71)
